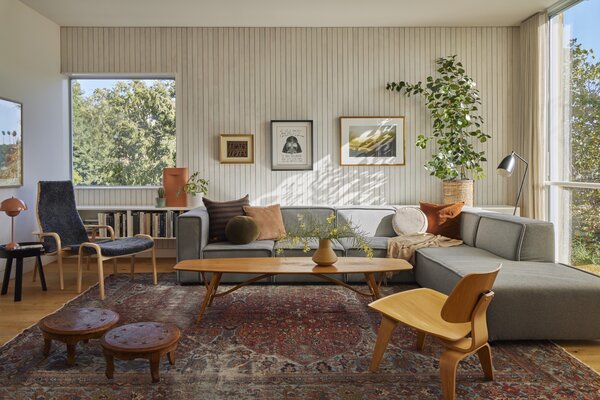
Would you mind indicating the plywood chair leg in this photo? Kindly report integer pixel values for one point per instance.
(485, 357)
(383, 337)
(35, 267)
(101, 276)
(61, 276)
(79, 269)
(448, 364)
(154, 273)
(114, 266)
(132, 266)
(420, 340)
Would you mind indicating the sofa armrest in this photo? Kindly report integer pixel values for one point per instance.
(192, 234)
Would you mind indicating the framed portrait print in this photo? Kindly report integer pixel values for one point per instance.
(372, 141)
(11, 147)
(236, 149)
(291, 145)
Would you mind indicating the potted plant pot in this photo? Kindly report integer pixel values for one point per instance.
(161, 202)
(194, 200)
(458, 190)
(324, 256)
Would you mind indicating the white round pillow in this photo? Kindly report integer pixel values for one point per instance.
(409, 220)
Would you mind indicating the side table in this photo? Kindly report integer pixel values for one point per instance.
(19, 254)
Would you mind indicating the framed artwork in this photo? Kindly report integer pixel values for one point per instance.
(236, 149)
(291, 145)
(372, 141)
(11, 147)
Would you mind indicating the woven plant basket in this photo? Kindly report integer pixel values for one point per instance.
(460, 190)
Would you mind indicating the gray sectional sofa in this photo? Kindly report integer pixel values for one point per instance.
(536, 298)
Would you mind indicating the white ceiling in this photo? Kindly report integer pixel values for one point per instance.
(288, 12)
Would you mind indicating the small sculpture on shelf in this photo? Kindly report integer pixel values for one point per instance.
(194, 188)
(160, 200)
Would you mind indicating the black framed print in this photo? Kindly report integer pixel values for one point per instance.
(291, 145)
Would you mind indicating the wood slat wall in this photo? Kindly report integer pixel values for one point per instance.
(235, 80)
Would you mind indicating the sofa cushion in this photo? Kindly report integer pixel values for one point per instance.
(443, 219)
(220, 212)
(533, 300)
(290, 215)
(372, 221)
(378, 244)
(469, 222)
(259, 248)
(516, 238)
(409, 220)
(296, 250)
(269, 221)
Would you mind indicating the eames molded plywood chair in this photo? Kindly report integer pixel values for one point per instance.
(458, 321)
(65, 235)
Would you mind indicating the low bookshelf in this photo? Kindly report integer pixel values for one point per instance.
(130, 220)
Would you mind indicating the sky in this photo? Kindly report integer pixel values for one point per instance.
(584, 20)
(89, 85)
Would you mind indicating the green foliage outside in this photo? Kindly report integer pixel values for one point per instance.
(585, 154)
(124, 135)
(453, 101)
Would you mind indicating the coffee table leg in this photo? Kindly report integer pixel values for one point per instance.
(110, 365)
(70, 354)
(47, 346)
(212, 297)
(7, 270)
(370, 278)
(19, 279)
(154, 367)
(214, 282)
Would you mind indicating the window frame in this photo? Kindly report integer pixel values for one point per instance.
(73, 77)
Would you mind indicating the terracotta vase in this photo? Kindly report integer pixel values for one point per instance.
(324, 256)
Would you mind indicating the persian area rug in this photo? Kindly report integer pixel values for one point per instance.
(276, 342)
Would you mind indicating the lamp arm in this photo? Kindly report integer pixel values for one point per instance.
(522, 181)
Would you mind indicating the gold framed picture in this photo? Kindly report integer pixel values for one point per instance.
(376, 141)
(236, 149)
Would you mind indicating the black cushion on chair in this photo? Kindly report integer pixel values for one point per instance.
(120, 247)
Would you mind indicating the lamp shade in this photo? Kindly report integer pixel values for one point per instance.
(507, 165)
(13, 206)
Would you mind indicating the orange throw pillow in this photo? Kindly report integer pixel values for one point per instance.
(269, 221)
(443, 219)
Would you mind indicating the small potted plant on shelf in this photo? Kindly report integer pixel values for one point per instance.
(194, 188)
(160, 200)
(308, 228)
(453, 100)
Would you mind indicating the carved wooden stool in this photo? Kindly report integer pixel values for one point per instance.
(149, 340)
(72, 326)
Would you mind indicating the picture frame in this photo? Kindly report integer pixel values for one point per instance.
(11, 143)
(236, 149)
(372, 141)
(292, 145)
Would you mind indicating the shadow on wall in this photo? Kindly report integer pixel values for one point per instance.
(330, 184)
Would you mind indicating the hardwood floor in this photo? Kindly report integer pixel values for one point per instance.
(16, 316)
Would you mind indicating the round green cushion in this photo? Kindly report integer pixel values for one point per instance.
(242, 230)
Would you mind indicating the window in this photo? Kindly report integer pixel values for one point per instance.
(575, 134)
(123, 131)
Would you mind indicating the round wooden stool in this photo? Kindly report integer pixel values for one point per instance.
(149, 340)
(72, 326)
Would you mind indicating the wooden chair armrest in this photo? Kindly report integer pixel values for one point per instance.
(52, 235)
(95, 227)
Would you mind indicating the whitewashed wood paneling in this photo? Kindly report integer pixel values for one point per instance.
(235, 80)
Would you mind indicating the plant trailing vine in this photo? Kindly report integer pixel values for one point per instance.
(453, 100)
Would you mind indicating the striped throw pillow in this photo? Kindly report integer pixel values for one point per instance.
(219, 214)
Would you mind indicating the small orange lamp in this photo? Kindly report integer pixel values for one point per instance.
(12, 207)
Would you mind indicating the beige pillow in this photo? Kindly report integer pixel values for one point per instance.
(269, 221)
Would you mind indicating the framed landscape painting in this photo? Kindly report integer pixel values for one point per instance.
(372, 141)
(291, 145)
(236, 149)
(11, 147)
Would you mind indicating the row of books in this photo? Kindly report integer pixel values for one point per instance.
(127, 224)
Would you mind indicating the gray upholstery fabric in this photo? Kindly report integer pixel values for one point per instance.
(516, 238)
(290, 215)
(57, 212)
(372, 221)
(119, 247)
(258, 248)
(468, 226)
(192, 237)
(533, 300)
(296, 250)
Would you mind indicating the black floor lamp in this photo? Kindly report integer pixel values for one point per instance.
(506, 168)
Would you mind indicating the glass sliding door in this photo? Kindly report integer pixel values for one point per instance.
(575, 134)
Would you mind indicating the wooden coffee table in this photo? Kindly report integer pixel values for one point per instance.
(266, 267)
(149, 340)
(73, 326)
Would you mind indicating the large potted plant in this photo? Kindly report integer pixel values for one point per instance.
(453, 100)
(194, 188)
